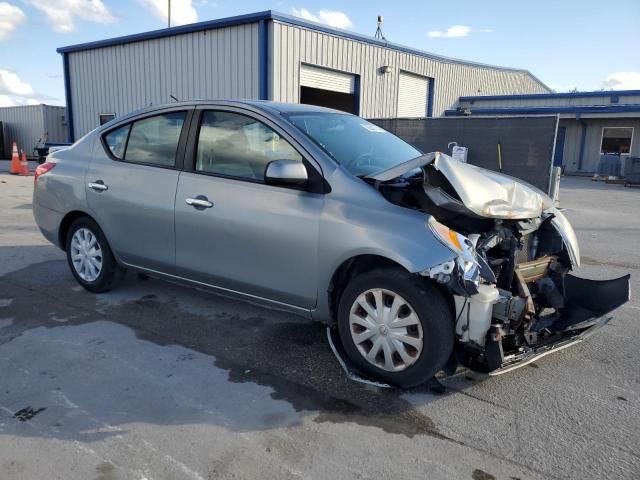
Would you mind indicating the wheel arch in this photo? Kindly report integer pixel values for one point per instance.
(361, 263)
(348, 269)
(66, 223)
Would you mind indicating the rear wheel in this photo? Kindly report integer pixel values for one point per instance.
(90, 258)
(395, 326)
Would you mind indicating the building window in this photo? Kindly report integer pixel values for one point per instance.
(106, 117)
(617, 140)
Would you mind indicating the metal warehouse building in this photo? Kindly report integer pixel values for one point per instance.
(272, 56)
(29, 123)
(590, 123)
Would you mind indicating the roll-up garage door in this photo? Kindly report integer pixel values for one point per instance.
(323, 79)
(413, 95)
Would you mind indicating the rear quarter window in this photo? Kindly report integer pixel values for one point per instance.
(116, 141)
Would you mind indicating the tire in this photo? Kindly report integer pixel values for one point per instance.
(96, 279)
(434, 323)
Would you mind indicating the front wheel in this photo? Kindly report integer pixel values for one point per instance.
(395, 326)
(90, 258)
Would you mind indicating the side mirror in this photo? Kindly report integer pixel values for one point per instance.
(286, 172)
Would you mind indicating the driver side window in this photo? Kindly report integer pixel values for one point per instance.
(235, 145)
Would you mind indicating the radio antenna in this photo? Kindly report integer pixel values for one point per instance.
(379, 34)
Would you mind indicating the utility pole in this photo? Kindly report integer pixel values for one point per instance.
(169, 15)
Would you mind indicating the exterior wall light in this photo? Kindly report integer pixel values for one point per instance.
(386, 69)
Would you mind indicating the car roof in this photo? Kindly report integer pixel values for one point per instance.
(267, 105)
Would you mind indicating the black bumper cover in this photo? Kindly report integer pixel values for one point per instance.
(588, 304)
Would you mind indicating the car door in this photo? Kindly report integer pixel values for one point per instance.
(243, 234)
(131, 186)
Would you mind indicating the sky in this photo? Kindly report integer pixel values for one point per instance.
(568, 44)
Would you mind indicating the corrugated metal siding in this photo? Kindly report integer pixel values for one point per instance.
(573, 138)
(293, 45)
(27, 124)
(55, 123)
(221, 63)
(551, 102)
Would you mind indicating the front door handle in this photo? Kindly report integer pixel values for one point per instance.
(98, 186)
(199, 202)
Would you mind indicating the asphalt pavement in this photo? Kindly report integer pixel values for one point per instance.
(158, 381)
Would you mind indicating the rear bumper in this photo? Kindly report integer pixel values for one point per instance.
(48, 222)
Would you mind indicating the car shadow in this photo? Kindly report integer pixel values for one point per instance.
(155, 352)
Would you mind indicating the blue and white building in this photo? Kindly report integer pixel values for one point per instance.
(590, 123)
(272, 56)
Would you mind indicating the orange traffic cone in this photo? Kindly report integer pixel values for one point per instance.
(24, 166)
(15, 160)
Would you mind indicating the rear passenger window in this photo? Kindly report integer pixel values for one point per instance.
(155, 139)
(116, 140)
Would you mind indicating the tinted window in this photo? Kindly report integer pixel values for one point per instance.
(361, 147)
(155, 139)
(116, 140)
(239, 146)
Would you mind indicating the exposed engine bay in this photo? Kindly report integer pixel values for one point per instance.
(514, 297)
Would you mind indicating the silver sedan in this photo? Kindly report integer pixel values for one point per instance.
(416, 261)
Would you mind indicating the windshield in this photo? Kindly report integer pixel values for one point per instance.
(360, 146)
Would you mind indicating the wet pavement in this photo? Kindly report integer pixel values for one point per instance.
(158, 381)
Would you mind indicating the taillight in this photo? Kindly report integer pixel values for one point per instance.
(42, 169)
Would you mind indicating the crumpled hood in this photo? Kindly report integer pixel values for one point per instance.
(486, 193)
(491, 194)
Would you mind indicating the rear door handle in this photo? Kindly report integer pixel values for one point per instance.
(199, 202)
(98, 186)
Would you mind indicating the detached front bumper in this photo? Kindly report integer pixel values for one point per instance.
(587, 308)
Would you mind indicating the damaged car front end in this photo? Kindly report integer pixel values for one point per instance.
(509, 276)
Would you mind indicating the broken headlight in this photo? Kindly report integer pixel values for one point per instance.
(465, 264)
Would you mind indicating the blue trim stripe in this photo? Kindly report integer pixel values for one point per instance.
(68, 99)
(263, 60)
(430, 97)
(542, 96)
(583, 141)
(281, 17)
(549, 110)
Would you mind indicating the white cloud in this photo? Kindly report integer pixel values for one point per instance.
(10, 17)
(454, 31)
(333, 18)
(62, 13)
(12, 84)
(9, 101)
(15, 91)
(182, 11)
(6, 101)
(622, 81)
(457, 31)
